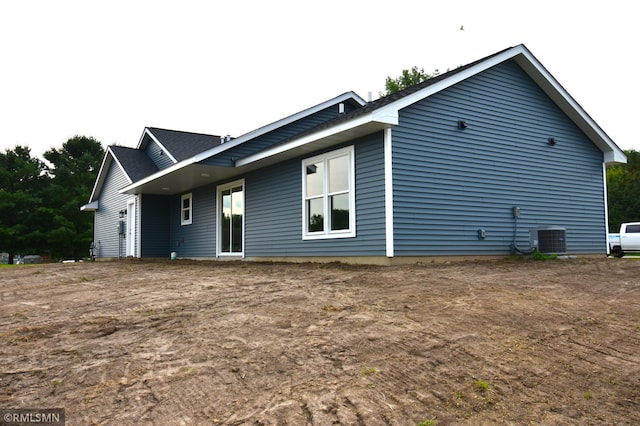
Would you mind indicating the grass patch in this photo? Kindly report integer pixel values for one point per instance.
(368, 371)
(536, 255)
(481, 385)
(430, 422)
(331, 308)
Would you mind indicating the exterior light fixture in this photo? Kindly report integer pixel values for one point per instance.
(462, 124)
(552, 141)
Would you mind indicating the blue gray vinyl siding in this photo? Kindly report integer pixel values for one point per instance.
(107, 217)
(158, 155)
(273, 209)
(276, 136)
(199, 238)
(449, 183)
(154, 226)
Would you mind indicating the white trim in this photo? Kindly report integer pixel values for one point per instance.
(124, 171)
(102, 172)
(388, 115)
(327, 233)
(567, 104)
(183, 221)
(162, 147)
(606, 206)
(131, 234)
(239, 140)
(388, 193)
(100, 179)
(90, 207)
(277, 124)
(387, 118)
(219, 189)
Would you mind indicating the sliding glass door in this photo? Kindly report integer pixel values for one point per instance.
(231, 218)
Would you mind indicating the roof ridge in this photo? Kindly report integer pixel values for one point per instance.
(182, 131)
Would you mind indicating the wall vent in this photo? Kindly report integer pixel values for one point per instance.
(549, 240)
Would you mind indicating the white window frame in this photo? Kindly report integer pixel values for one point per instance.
(189, 197)
(327, 233)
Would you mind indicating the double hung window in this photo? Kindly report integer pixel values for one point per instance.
(185, 209)
(329, 195)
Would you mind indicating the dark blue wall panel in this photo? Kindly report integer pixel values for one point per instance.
(449, 183)
(274, 209)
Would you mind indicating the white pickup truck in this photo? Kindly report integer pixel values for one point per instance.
(627, 240)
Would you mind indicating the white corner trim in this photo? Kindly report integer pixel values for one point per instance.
(388, 193)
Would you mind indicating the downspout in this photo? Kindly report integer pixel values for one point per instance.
(388, 193)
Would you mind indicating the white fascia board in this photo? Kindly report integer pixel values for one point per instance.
(157, 175)
(524, 58)
(548, 83)
(615, 157)
(375, 116)
(239, 140)
(152, 136)
(100, 178)
(277, 124)
(120, 165)
(144, 133)
(103, 170)
(90, 207)
(452, 80)
(387, 114)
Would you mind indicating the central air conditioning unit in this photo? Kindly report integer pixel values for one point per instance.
(549, 239)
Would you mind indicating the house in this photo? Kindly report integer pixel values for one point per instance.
(490, 158)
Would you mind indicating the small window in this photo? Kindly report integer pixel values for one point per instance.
(185, 209)
(328, 195)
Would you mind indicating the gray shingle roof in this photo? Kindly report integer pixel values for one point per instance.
(183, 145)
(136, 163)
(386, 100)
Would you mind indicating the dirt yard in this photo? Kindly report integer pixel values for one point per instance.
(186, 343)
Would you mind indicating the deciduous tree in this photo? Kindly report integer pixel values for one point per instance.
(408, 78)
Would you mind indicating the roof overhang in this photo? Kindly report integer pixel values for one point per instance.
(183, 178)
(90, 207)
(329, 137)
(189, 173)
(388, 115)
(179, 179)
(143, 138)
(102, 174)
(538, 73)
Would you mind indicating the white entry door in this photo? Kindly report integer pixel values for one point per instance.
(131, 228)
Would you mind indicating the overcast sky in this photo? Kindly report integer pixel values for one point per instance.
(108, 69)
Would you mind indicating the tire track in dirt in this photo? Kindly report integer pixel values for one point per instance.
(240, 343)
